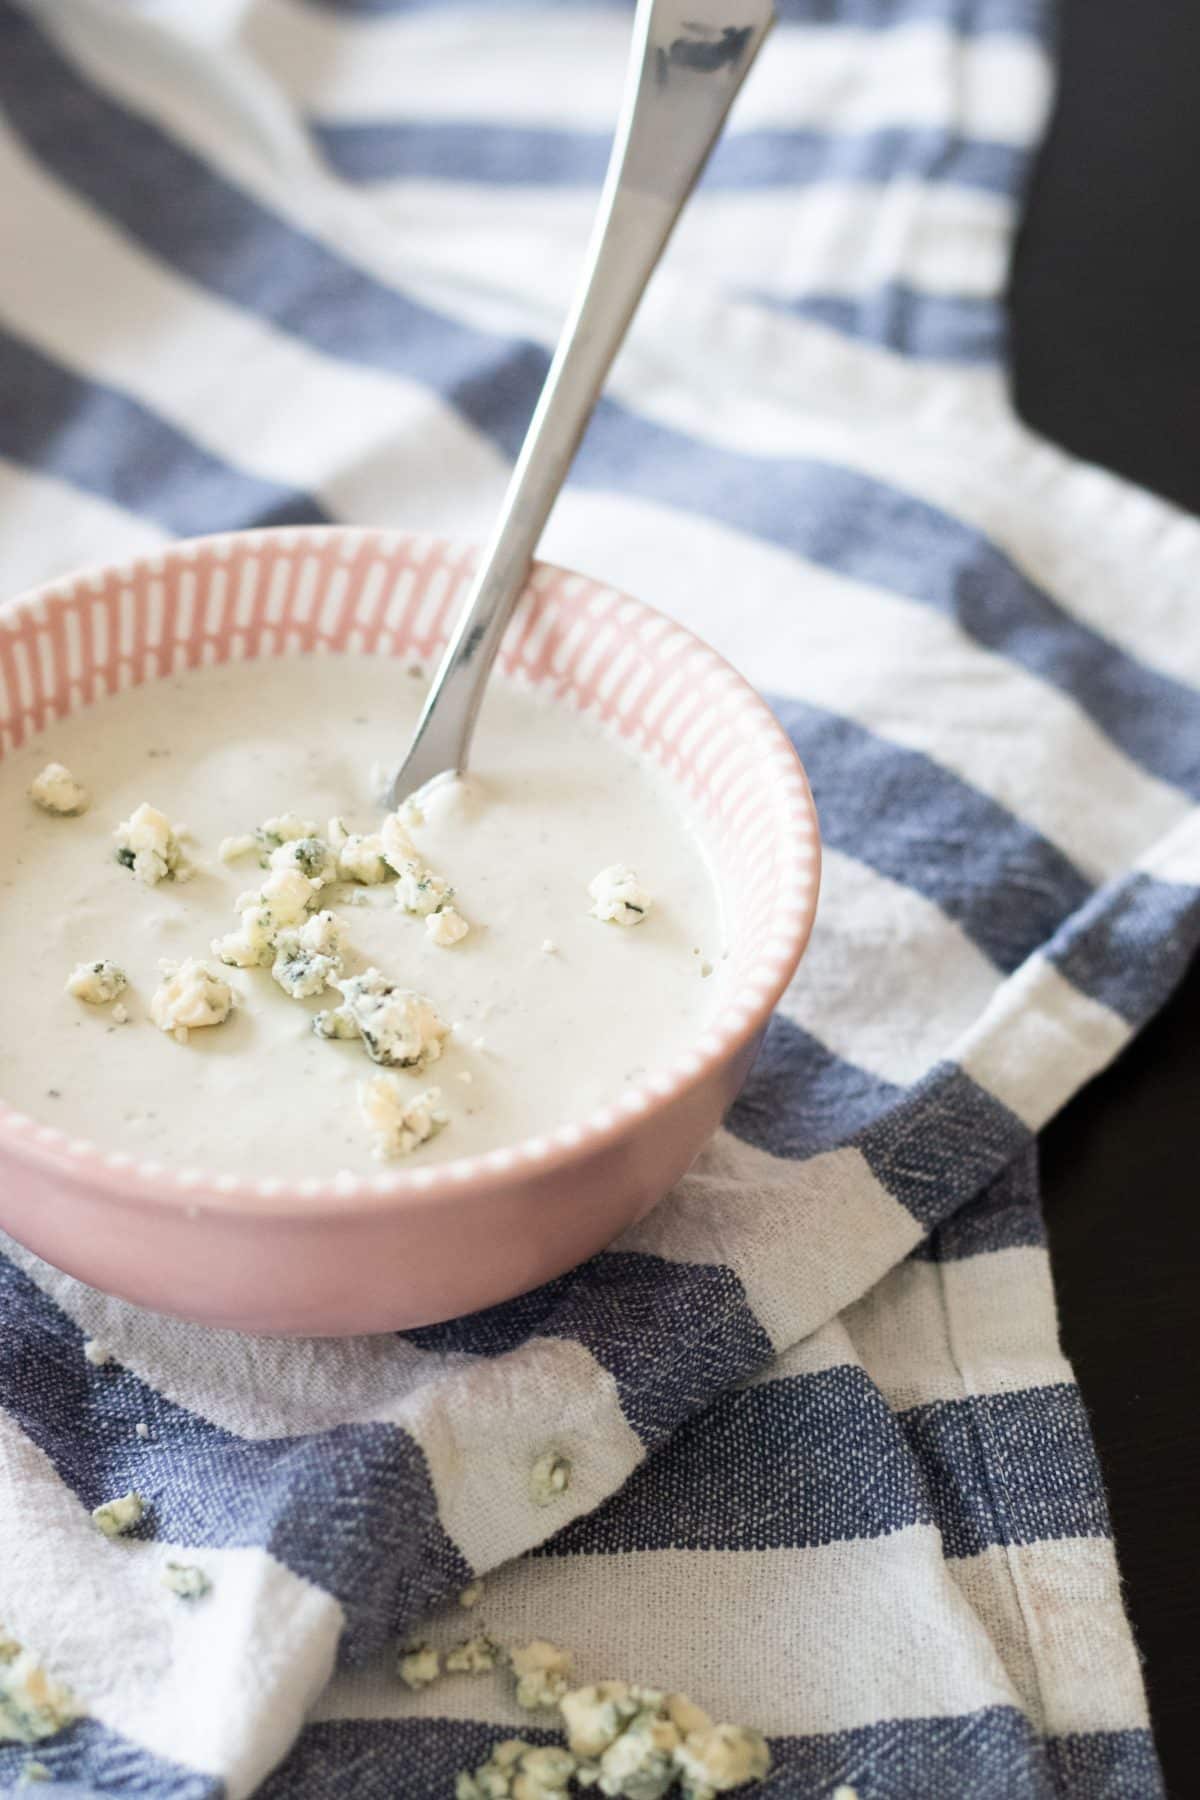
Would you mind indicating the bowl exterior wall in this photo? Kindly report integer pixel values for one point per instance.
(325, 1274)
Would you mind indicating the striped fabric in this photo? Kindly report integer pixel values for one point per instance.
(304, 260)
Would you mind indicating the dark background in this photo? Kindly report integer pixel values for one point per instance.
(1106, 328)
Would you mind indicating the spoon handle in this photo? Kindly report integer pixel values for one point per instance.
(689, 59)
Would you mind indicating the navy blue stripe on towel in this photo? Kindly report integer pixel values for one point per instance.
(819, 1459)
(494, 155)
(991, 1754)
(640, 1316)
(969, 18)
(108, 444)
(918, 823)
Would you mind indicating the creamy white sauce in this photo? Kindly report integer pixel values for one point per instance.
(545, 1037)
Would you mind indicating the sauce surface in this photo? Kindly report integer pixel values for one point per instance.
(545, 1036)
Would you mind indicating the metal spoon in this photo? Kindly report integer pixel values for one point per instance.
(689, 59)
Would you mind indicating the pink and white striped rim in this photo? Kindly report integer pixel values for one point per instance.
(321, 590)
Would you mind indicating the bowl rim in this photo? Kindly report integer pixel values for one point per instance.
(142, 1184)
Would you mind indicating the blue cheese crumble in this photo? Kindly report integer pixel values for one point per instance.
(96, 982)
(33, 1706)
(288, 895)
(56, 791)
(397, 845)
(186, 1580)
(473, 1656)
(360, 855)
(595, 1716)
(117, 1516)
(618, 896)
(521, 1771)
(549, 1477)
(446, 927)
(420, 891)
(192, 997)
(285, 829)
(493, 1779)
(627, 1742)
(281, 903)
(309, 959)
(718, 1758)
(312, 856)
(398, 1122)
(269, 838)
(637, 1743)
(370, 859)
(232, 849)
(543, 1673)
(399, 1028)
(641, 1760)
(419, 1666)
(149, 845)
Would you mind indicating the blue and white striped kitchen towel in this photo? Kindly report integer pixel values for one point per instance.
(302, 260)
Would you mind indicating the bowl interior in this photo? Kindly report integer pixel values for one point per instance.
(321, 591)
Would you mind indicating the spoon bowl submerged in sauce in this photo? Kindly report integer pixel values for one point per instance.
(245, 1199)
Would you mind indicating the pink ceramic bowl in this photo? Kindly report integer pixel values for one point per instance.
(408, 1248)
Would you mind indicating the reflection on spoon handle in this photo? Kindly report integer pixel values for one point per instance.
(690, 57)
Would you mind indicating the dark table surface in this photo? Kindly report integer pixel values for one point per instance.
(1106, 330)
